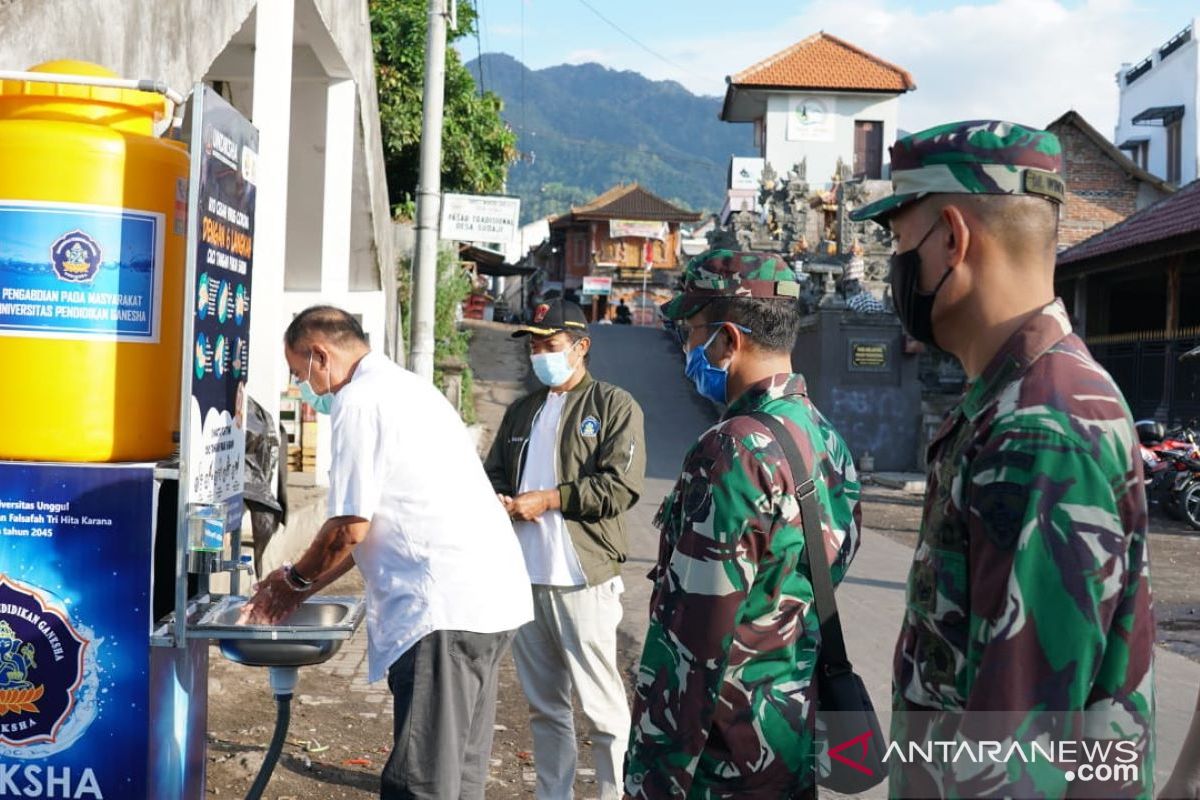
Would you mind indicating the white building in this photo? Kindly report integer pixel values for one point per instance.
(1156, 122)
(303, 72)
(820, 100)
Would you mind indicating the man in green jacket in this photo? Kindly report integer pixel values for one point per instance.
(567, 462)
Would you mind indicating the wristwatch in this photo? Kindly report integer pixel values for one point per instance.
(295, 580)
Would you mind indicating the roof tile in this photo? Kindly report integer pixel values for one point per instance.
(1176, 215)
(823, 61)
(631, 201)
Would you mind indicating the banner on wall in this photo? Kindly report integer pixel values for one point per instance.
(811, 119)
(637, 228)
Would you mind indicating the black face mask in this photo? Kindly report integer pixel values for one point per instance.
(914, 307)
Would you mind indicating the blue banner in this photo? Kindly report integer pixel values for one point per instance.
(76, 272)
(75, 554)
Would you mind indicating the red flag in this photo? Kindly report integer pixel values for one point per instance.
(648, 255)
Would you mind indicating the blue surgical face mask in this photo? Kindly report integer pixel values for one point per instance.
(711, 382)
(321, 403)
(553, 369)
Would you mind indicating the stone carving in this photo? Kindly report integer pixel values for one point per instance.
(812, 226)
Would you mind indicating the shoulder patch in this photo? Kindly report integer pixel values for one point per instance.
(1001, 507)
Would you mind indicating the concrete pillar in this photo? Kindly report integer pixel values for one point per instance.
(272, 114)
(340, 105)
(1165, 407)
(340, 121)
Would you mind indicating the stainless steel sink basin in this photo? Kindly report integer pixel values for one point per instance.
(310, 635)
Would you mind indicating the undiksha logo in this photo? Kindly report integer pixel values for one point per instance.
(41, 665)
(75, 257)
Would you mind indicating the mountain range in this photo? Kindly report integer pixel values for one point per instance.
(583, 128)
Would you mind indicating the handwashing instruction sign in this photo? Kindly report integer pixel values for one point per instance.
(220, 264)
(70, 271)
(74, 684)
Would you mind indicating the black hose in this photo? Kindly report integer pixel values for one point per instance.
(283, 716)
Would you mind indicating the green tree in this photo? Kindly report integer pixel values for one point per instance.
(477, 145)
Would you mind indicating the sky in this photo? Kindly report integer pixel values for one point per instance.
(1027, 61)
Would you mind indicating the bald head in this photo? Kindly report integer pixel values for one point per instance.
(328, 324)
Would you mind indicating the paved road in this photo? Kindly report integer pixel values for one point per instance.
(648, 364)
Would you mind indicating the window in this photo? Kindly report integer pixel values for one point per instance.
(868, 149)
(1174, 152)
(1139, 152)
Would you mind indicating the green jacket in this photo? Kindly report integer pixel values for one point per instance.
(601, 467)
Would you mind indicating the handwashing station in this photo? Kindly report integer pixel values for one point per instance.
(126, 265)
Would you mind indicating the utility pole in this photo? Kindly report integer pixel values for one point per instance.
(429, 193)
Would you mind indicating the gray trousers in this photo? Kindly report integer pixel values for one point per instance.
(444, 695)
(572, 644)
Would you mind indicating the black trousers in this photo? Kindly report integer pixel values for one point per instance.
(444, 695)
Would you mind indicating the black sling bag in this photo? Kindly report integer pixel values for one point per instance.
(856, 743)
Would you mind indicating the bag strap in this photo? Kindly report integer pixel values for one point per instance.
(832, 656)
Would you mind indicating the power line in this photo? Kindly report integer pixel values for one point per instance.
(478, 45)
(633, 39)
(524, 68)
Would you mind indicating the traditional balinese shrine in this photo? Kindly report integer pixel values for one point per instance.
(861, 369)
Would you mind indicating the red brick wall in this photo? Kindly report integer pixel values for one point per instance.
(1099, 193)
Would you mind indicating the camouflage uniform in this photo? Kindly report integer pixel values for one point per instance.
(722, 706)
(1028, 608)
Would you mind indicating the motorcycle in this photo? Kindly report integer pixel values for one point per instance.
(1171, 460)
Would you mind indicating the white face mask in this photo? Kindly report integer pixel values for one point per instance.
(553, 369)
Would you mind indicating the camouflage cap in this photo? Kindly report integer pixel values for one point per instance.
(976, 157)
(730, 273)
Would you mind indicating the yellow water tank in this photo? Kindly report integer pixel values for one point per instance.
(93, 228)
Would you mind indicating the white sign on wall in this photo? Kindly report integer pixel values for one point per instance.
(744, 173)
(482, 219)
(811, 119)
(596, 286)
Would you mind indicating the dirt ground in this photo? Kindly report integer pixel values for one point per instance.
(338, 740)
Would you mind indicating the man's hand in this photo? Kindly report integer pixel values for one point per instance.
(505, 501)
(530, 506)
(273, 599)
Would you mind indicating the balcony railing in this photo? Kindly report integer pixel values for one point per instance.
(1178, 41)
(1138, 70)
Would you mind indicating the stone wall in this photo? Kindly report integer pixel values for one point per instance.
(864, 383)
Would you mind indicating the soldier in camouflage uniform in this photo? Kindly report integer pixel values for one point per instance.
(723, 706)
(1028, 604)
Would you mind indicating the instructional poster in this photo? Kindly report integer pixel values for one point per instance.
(221, 257)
